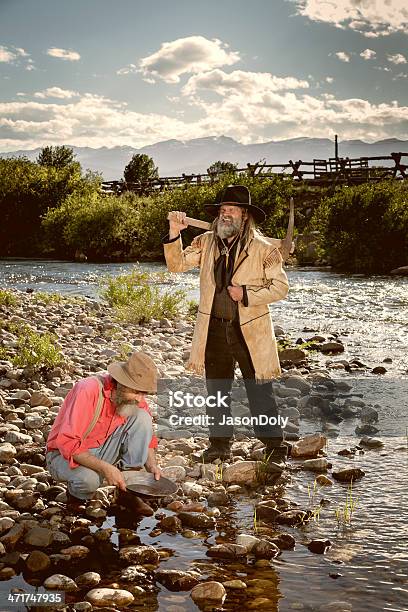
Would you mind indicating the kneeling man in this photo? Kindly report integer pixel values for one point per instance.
(105, 426)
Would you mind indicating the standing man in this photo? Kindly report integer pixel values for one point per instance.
(103, 427)
(240, 274)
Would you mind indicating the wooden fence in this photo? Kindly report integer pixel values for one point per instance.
(319, 172)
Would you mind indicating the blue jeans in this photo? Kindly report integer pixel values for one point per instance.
(126, 447)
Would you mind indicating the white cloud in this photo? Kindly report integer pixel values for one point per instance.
(64, 54)
(6, 55)
(329, 80)
(30, 65)
(193, 54)
(92, 120)
(9, 55)
(56, 92)
(22, 52)
(343, 56)
(372, 18)
(248, 114)
(368, 54)
(129, 69)
(240, 82)
(398, 58)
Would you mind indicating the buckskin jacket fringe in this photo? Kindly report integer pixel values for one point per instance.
(258, 266)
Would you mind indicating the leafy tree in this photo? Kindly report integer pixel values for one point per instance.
(141, 168)
(27, 191)
(222, 167)
(56, 157)
(365, 227)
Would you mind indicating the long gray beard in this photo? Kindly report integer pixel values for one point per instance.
(127, 410)
(228, 230)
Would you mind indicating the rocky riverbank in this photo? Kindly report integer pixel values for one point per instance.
(98, 560)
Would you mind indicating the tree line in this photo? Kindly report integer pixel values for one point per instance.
(50, 207)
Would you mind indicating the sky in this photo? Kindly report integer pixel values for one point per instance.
(101, 73)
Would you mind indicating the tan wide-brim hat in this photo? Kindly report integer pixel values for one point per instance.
(139, 372)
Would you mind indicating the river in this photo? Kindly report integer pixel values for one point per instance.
(368, 563)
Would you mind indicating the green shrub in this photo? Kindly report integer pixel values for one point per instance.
(33, 350)
(192, 309)
(365, 228)
(133, 227)
(7, 298)
(135, 300)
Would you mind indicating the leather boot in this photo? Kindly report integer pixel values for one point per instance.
(220, 448)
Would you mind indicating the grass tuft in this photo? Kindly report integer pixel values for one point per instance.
(344, 514)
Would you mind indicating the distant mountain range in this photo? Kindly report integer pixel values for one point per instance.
(173, 157)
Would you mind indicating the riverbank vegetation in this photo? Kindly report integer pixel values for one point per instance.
(365, 228)
(50, 208)
(34, 350)
(135, 299)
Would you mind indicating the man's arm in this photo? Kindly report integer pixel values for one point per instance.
(177, 259)
(275, 286)
(74, 418)
(108, 471)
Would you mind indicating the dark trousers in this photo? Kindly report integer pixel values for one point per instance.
(226, 346)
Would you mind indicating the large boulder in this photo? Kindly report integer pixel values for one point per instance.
(7, 452)
(140, 554)
(102, 598)
(211, 592)
(60, 582)
(176, 580)
(295, 355)
(309, 446)
(241, 472)
(348, 474)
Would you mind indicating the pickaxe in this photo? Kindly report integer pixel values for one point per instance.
(286, 244)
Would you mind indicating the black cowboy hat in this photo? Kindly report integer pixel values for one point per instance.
(237, 195)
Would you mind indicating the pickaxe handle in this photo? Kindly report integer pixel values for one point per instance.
(195, 222)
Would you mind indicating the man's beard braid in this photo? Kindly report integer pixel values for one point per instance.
(230, 230)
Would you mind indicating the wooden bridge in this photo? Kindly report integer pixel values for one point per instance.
(319, 172)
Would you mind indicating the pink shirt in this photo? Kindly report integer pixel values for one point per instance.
(76, 414)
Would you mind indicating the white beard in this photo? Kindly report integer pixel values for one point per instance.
(228, 230)
(127, 410)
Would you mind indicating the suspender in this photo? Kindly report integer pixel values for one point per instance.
(98, 410)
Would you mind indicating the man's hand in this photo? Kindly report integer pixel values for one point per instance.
(177, 223)
(236, 293)
(155, 470)
(151, 465)
(114, 477)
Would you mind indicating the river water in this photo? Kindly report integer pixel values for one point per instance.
(367, 565)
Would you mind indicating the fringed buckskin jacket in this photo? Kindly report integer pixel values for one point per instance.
(258, 266)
